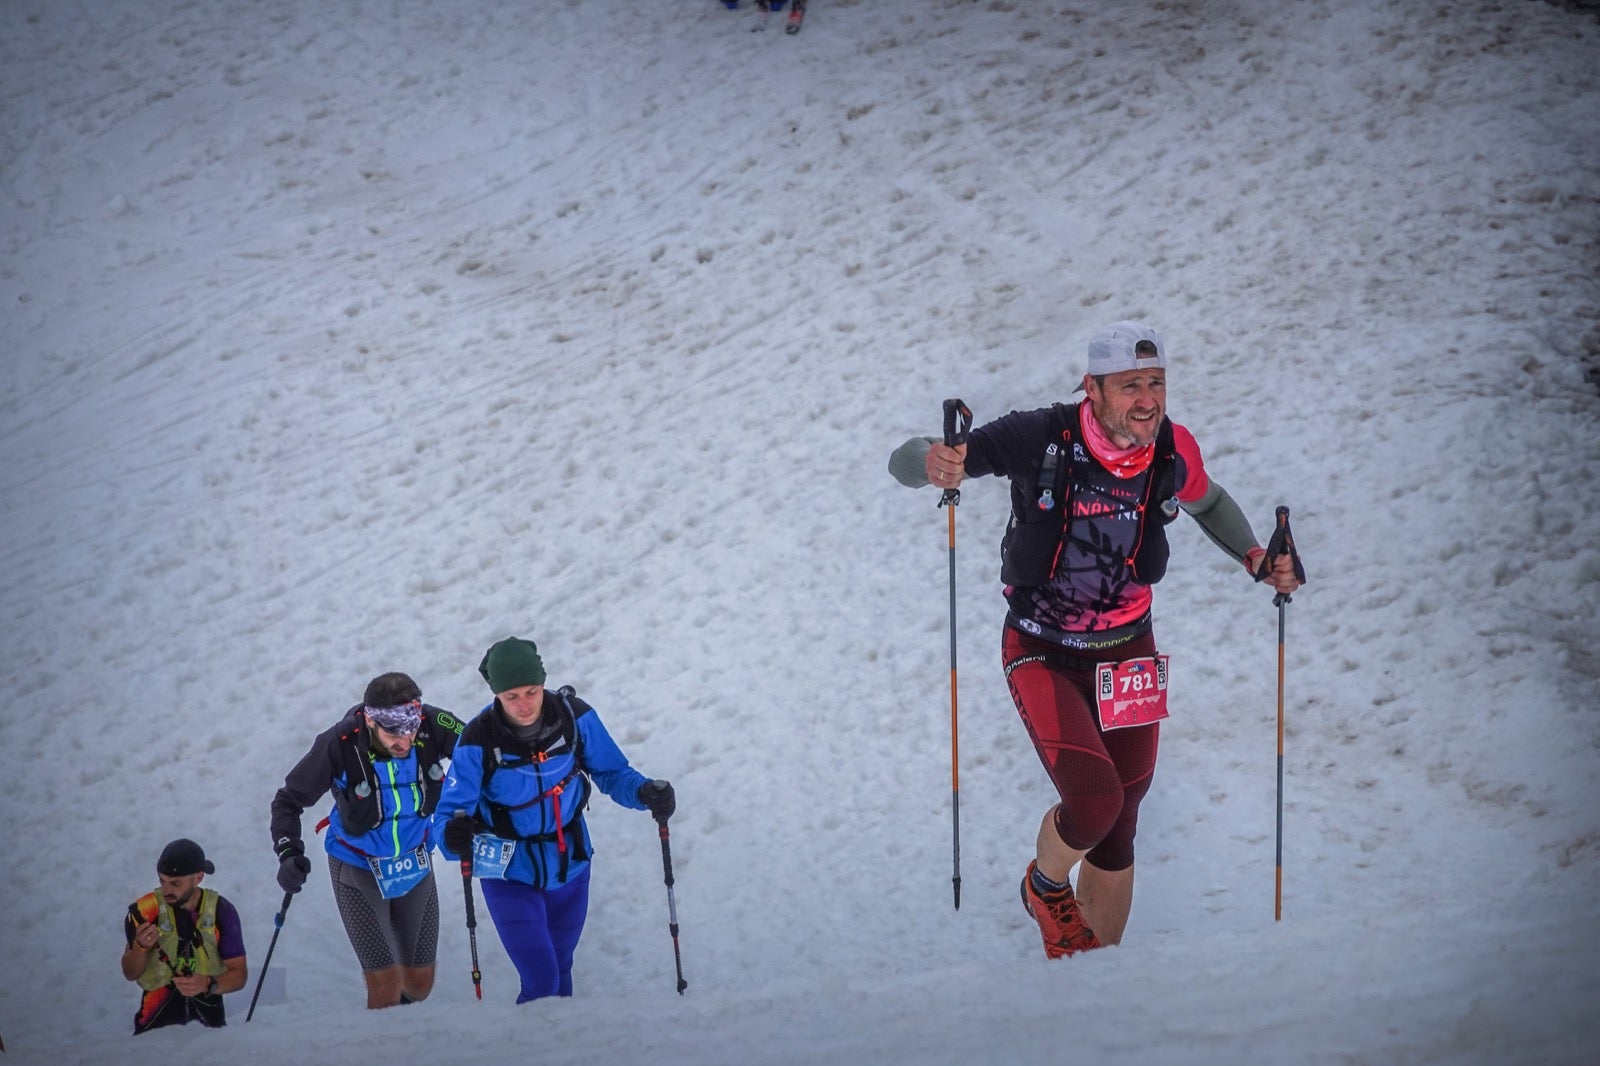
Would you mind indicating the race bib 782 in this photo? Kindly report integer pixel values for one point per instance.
(1132, 692)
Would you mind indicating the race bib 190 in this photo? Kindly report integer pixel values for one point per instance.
(401, 874)
(1132, 692)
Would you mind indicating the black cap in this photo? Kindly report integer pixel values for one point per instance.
(183, 857)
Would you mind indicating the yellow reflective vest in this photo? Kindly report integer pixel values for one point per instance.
(206, 957)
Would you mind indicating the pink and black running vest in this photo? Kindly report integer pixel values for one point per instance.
(1094, 570)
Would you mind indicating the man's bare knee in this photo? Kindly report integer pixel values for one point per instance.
(416, 983)
(383, 987)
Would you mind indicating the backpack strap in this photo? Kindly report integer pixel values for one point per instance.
(436, 726)
(1149, 556)
(1162, 465)
(1051, 483)
(360, 778)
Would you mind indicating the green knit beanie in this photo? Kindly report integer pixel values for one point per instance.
(512, 663)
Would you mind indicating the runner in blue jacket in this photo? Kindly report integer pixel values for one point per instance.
(520, 778)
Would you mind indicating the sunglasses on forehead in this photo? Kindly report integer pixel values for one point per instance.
(402, 720)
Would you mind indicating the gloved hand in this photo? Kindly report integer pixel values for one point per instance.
(659, 798)
(292, 871)
(458, 834)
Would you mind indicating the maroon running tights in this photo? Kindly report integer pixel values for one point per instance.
(1100, 776)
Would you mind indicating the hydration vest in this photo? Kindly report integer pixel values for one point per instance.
(204, 957)
(359, 808)
(1041, 506)
(570, 840)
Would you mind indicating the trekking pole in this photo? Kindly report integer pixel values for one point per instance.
(957, 421)
(472, 924)
(1282, 543)
(672, 903)
(277, 927)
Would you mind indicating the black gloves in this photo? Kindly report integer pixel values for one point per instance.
(458, 834)
(658, 796)
(292, 870)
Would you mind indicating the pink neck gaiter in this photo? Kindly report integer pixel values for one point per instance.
(1123, 462)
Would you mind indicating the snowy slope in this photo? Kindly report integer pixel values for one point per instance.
(350, 337)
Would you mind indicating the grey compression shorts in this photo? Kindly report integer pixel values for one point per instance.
(386, 932)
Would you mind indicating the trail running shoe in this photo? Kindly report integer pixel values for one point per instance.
(1060, 919)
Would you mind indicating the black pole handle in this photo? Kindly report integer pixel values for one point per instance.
(666, 851)
(1282, 543)
(957, 423)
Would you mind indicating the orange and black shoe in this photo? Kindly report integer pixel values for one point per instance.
(1060, 919)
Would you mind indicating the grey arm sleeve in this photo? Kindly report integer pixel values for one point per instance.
(1222, 521)
(908, 462)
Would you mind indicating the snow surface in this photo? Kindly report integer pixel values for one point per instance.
(348, 337)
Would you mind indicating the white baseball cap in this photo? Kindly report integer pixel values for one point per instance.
(1126, 345)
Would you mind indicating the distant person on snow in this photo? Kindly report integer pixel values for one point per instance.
(384, 762)
(184, 946)
(1093, 485)
(514, 801)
